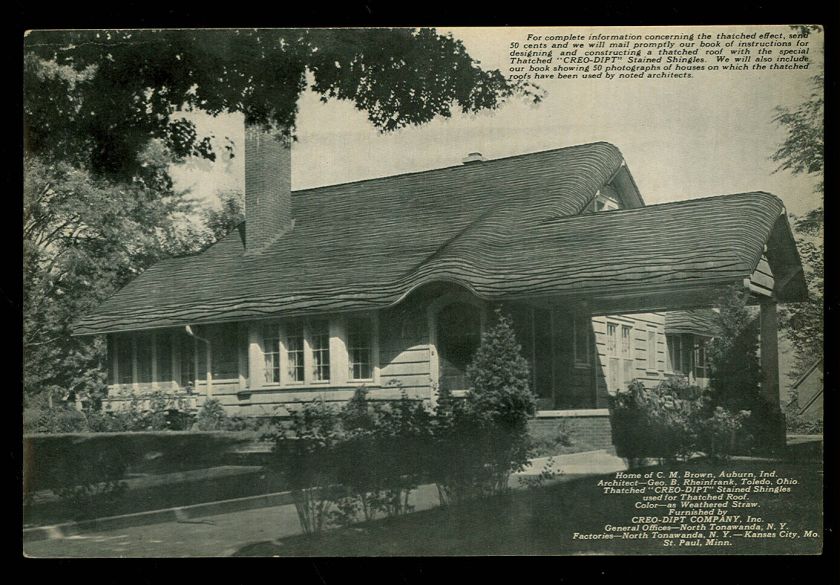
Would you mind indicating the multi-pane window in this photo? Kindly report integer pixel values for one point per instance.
(187, 353)
(674, 350)
(627, 353)
(319, 342)
(225, 351)
(125, 360)
(619, 356)
(294, 352)
(163, 347)
(271, 351)
(700, 365)
(626, 331)
(687, 354)
(612, 339)
(144, 358)
(359, 342)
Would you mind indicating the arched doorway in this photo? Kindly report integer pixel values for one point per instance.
(458, 327)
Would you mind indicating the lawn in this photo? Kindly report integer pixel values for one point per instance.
(542, 521)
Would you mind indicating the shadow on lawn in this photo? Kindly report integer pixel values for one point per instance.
(542, 521)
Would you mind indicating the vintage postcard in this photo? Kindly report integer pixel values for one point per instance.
(423, 292)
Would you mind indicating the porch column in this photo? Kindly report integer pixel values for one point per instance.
(768, 324)
(769, 353)
(256, 363)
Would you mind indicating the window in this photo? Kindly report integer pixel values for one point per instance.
(700, 364)
(582, 325)
(651, 350)
(294, 352)
(674, 343)
(144, 358)
(619, 350)
(627, 353)
(612, 339)
(319, 341)
(125, 360)
(359, 338)
(187, 352)
(604, 201)
(687, 354)
(271, 351)
(163, 347)
(225, 351)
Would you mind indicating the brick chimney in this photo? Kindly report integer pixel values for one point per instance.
(268, 187)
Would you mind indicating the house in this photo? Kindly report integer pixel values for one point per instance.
(388, 283)
(808, 391)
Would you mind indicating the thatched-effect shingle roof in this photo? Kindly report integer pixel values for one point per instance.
(697, 321)
(504, 228)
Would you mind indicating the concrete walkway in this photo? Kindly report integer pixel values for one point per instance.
(224, 533)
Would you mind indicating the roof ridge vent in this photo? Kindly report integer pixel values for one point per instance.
(473, 157)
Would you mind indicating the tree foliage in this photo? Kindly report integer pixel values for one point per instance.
(500, 377)
(83, 238)
(804, 322)
(220, 222)
(803, 152)
(96, 98)
(735, 372)
(101, 129)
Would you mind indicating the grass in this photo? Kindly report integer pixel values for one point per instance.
(542, 521)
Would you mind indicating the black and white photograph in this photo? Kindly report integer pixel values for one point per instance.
(423, 292)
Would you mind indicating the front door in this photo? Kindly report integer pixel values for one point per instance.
(458, 337)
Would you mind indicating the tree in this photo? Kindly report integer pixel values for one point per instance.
(220, 222)
(95, 98)
(502, 399)
(500, 377)
(803, 152)
(101, 130)
(735, 372)
(82, 239)
(735, 376)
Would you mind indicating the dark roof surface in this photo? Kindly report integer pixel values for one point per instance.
(502, 228)
(697, 321)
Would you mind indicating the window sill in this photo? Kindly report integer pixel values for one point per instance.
(310, 387)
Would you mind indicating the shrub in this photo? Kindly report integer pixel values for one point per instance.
(673, 420)
(654, 422)
(306, 454)
(383, 456)
(459, 452)
(500, 377)
(719, 433)
(86, 470)
(735, 374)
(480, 441)
(40, 417)
(804, 426)
(211, 416)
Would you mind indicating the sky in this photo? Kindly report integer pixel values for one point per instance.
(681, 138)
